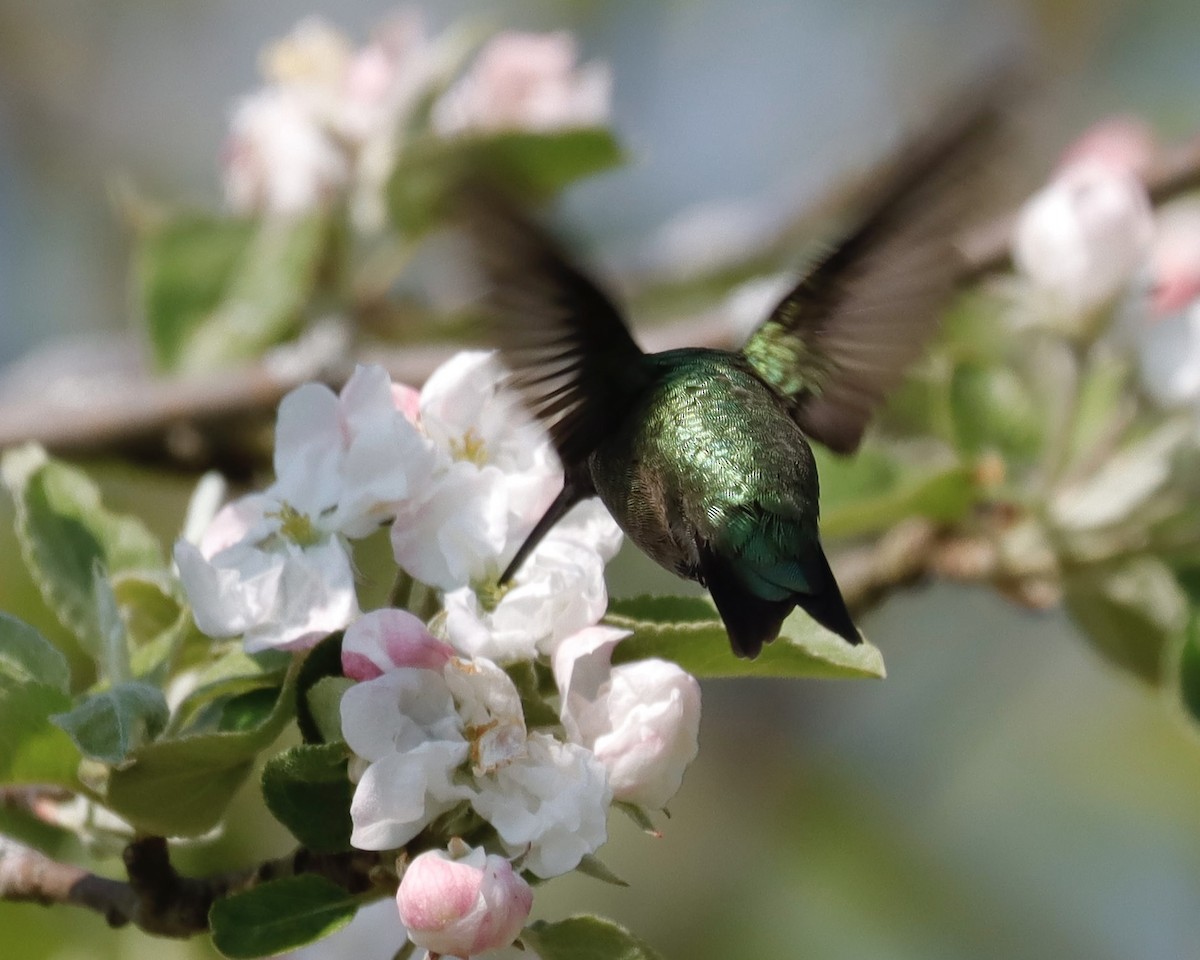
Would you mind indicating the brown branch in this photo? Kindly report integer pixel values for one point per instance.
(188, 422)
(156, 898)
(918, 550)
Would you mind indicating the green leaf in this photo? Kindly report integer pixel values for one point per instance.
(112, 657)
(218, 290)
(64, 531)
(688, 631)
(994, 410)
(585, 938)
(157, 624)
(537, 165)
(32, 749)
(1189, 666)
(28, 657)
(181, 787)
(233, 673)
(280, 915)
(324, 703)
(874, 493)
(592, 866)
(109, 725)
(323, 660)
(307, 789)
(1131, 611)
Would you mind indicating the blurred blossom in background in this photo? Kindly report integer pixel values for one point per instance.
(1004, 793)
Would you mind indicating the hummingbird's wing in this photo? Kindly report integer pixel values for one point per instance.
(842, 338)
(566, 343)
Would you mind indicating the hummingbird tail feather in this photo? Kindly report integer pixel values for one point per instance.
(825, 604)
(750, 620)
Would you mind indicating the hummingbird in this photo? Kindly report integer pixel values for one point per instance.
(703, 456)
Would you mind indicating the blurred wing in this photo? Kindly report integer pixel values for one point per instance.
(568, 348)
(842, 338)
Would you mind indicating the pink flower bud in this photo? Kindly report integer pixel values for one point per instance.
(383, 640)
(1125, 144)
(1081, 238)
(462, 907)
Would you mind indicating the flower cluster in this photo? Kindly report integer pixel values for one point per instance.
(332, 119)
(1089, 242)
(452, 732)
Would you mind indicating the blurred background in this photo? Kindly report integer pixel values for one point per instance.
(1003, 793)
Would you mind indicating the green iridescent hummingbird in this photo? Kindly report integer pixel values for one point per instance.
(702, 456)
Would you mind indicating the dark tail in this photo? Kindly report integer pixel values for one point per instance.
(825, 604)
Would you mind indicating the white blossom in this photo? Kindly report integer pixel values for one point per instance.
(641, 719)
(1081, 238)
(462, 905)
(491, 712)
(278, 159)
(557, 591)
(550, 804)
(273, 582)
(349, 460)
(274, 567)
(526, 81)
(496, 475)
(405, 727)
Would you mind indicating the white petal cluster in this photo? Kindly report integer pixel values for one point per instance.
(426, 739)
(1082, 238)
(274, 567)
(551, 804)
(495, 475)
(641, 719)
(526, 81)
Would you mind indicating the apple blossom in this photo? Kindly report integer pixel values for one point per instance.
(641, 719)
(382, 640)
(404, 726)
(462, 906)
(551, 804)
(526, 81)
(277, 159)
(495, 475)
(558, 590)
(267, 576)
(1081, 238)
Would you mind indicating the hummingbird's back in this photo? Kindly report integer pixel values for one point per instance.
(709, 455)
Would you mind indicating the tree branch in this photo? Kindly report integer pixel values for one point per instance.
(156, 898)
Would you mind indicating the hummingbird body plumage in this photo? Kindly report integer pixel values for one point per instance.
(711, 477)
(702, 456)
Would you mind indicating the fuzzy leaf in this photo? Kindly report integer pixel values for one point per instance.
(32, 749)
(109, 725)
(585, 938)
(324, 707)
(181, 786)
(307, 789)
(217, 290)
(64, 531)
(1130, 610)
(280, 915)
(323, 660)
(28, 657)
(688, 631)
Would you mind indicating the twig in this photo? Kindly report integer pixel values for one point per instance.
(183, 420)
(156, 898)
